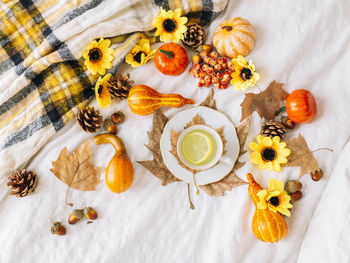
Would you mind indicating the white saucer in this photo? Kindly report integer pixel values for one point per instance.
(215, 120)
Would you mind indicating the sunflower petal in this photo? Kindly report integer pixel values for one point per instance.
(255, 147)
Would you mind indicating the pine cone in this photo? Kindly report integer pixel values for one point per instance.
(194, 36)
(22, 182)
(119, 86)
(273, 128)
(89, 119)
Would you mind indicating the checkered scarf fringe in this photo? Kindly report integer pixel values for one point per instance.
(43, 80)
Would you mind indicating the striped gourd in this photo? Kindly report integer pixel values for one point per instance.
(144, 100)
(234, 37)
(268, 226)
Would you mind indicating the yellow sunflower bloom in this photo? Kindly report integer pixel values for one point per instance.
(275, 198)
(101, 91)
(99, 56)
(140, 53)
(244, 74)
(170, 25)
(269, 153)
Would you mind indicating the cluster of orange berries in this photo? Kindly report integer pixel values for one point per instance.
(210, 68)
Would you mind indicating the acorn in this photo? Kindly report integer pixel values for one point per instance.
(287, 122)
(90, 213)
(293, 186)
(58, 229)
(296, 196)
(76, 216)
(118, 117)
(317, 175)
(110, 126)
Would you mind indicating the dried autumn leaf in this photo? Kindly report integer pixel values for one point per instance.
(301, 156)
(196, 120)
(209, 101)
(266, 103)
(76, 169)
(157, 166)
(231, 180)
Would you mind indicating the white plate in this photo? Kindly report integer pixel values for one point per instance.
(215, 120)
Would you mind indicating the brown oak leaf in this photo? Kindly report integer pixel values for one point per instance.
(157, 166)
(301, 156)
(231, 180)
(76, 169)
(266, 103)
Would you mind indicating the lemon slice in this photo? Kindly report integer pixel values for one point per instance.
(196, 147)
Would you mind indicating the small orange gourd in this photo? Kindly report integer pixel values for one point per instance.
(144, 100)
(267, 226)
(119, 172)
(234, 37)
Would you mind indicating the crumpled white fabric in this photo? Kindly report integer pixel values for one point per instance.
(301, 43)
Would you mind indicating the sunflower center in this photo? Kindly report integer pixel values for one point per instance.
(268, 154)
(246, 74)
(169, 25)
(99, 91)
(138, 56)
(95, 54)
(274, 201)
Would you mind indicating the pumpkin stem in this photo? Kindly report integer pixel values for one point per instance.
(280, 111)
(169, 54)
(228, 28)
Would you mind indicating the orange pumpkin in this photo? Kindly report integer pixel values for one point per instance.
(267, 226)
(301, 106)
(119, 172)
(144, 100)
(234, 37)
(171, 59)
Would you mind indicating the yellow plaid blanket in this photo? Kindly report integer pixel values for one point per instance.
(43, 80)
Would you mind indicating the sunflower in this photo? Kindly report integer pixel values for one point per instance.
(140, 53)
(269, 153)
(170, 25)
(101, 91)
(99, 56)
(275, 198)
(244, 74)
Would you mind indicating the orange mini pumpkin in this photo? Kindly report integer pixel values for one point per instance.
(234, 37)
(267, 226)
(301, 106)
(171, 59)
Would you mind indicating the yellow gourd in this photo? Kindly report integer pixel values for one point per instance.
(234, 37)
(144, 100)
(267, 226)
(119, 172)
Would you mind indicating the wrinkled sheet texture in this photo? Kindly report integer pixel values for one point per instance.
(304, 44)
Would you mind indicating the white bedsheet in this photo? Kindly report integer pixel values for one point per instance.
(304, 44)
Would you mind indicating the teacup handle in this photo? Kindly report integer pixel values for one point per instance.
(226, 160)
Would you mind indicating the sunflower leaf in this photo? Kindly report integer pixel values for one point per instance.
(266, 103)
(301, 156)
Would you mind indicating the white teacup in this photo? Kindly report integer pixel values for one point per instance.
(217, 145)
